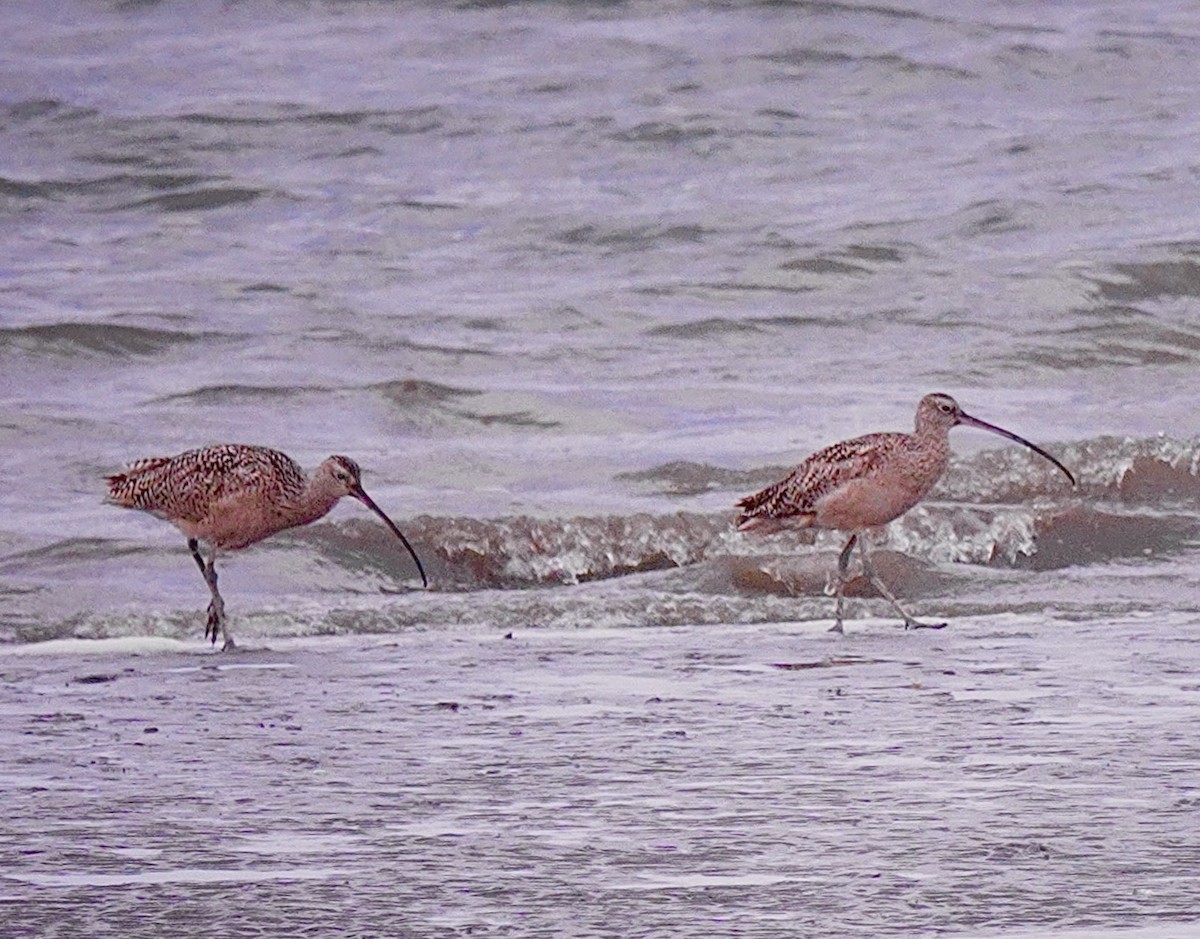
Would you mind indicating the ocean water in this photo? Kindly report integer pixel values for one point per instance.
(568, 279)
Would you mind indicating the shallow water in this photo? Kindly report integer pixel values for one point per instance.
(1014, 771)
(568, 280)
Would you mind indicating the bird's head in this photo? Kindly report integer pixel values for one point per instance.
(937, 413)
(341, 476)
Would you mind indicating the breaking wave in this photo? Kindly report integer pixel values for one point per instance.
(1135, 499)
(1002, 508)
(998, 517)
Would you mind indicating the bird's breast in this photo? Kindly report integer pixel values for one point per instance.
(239, 520)
(876, 499)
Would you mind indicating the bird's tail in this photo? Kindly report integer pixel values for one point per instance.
(769, 510)
(128, 488)
(768, 524)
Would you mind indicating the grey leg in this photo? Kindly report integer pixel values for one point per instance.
(194, 547)
(216, 608)
(878, 584)
(843, 574)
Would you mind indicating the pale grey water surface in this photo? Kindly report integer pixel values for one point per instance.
(745, 781)
(568, 279)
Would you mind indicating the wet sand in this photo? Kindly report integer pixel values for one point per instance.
(1010, 775)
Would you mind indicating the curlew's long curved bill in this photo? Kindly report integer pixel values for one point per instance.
(370, 504)
(984, 425)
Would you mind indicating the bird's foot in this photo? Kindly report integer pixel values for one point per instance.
(215, 623)
(837, 628)
(229, 645)
(910, 623)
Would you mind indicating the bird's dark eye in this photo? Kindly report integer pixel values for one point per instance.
(945, 408)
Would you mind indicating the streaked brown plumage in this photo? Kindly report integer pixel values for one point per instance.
(867, 482)
(231, 496)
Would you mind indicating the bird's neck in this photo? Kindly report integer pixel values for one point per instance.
(932, 434)
(934, 440)
(314, 503)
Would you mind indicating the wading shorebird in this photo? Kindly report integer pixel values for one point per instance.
(867, 482)
(231, 496)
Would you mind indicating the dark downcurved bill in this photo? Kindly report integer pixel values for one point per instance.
(984, 425)
(370, 504)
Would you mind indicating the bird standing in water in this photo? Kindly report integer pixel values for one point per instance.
(231, 496)
(867, 482)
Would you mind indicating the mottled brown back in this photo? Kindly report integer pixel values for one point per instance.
(794, 498)
(186, 486)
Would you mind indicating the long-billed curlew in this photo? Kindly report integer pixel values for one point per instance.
(867, 482)
(233, 495)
